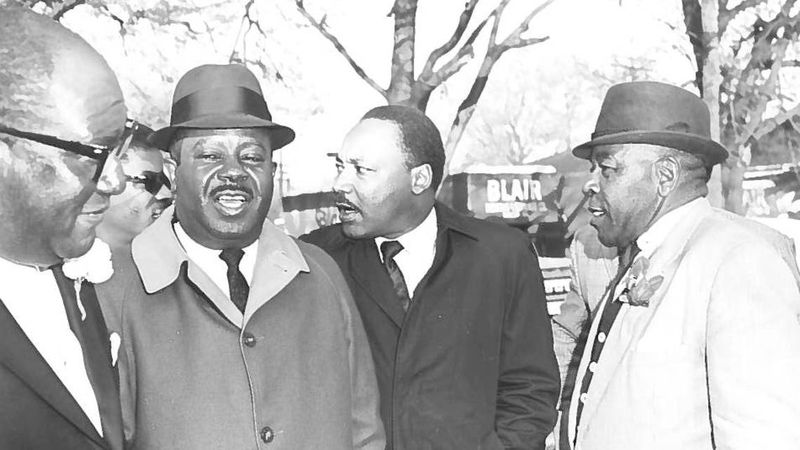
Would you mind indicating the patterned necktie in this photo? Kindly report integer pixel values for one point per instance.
(237, 284)
(390, 249)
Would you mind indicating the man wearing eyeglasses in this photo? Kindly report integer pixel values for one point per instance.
(62, 124)
(147, 194)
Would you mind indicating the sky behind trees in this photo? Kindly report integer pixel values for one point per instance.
(539, 100)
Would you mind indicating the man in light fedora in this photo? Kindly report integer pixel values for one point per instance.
(234, 335)
(694, 345)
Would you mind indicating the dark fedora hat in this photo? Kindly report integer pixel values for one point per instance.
(647, 112)
(220, 96)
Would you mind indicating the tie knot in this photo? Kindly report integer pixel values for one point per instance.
(231, 256)
(390, 249)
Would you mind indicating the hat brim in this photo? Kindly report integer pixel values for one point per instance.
(712, 152)
(280, 135)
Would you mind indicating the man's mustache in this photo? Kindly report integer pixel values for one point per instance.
(339, 199)
(231, 187)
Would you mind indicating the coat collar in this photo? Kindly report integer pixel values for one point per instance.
(453, 221)
(664, 260)
(367, 270)
(159, 256)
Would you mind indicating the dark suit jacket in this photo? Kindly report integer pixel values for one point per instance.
(471, 364)
(36, 411)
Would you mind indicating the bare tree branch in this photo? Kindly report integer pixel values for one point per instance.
(461, 27)
(727, 15)
(67, 8)
(494, 51)
(515, 39)
(450, 68)
(320, 26)
(762, 96)
(768, 125)
(497, 13)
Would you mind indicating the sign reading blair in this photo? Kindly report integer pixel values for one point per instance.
(510, 192)
(512, 196)
(513, 190)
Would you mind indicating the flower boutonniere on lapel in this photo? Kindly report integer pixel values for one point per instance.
(95, 267)
(639, 288)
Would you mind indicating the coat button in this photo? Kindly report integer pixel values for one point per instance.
(249, 340)
(267, 435)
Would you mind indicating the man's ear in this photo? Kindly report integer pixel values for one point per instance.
(421, 178)
(666, 172)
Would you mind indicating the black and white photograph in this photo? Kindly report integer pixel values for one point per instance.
(399, 224)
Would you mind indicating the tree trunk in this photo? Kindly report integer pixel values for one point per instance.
(402, 80)
(711, 79)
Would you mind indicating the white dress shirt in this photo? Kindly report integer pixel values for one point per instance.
(658, 232)
(33, 299)
(209, 261)
(419, 248)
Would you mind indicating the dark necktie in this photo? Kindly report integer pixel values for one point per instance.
(390, 249)
(604, 327)
(237, 284)
(92, 334)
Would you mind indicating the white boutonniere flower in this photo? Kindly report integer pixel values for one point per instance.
(639, 288)
(95, 266)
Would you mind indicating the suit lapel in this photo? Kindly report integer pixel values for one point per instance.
(664, 262)
(367, 270)
(19, 356)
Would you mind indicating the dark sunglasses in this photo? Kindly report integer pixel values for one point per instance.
(151, 181)
(98, 153)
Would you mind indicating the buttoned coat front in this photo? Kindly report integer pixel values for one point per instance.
(712, 362)
(471, 364)
(294, 372)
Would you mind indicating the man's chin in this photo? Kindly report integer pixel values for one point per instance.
(74, 246)
(353, 230)
(603, 236)
(233, 231)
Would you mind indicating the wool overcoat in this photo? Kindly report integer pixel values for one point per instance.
(471, 364)
(293, 372)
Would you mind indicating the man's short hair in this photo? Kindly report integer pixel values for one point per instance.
(421, 140)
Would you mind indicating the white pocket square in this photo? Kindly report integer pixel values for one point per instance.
(115, 343)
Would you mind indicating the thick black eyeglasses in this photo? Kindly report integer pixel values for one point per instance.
(98, 153)
(151, 181)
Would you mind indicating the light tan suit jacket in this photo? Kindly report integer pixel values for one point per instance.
(712, 362)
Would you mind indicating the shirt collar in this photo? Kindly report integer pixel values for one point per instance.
(196, 252)
(420, 240)
(159, 255)
(661, 229)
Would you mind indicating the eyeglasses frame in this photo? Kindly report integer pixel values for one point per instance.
(96, 152)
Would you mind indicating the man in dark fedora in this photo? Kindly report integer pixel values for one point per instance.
(62, 132)
(694, 344)
(235, 335)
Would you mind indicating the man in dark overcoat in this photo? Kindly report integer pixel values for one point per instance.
(454, 307)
